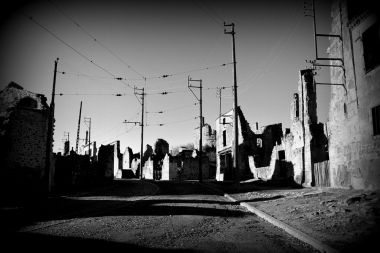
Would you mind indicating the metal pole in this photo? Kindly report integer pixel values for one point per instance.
(49, 141)
(315, 31)
(80, 113)
(236, 128)
(200, 133)
(200, 120)
(89, 138)
(142, 132)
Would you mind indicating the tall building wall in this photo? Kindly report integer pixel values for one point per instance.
(354, 147)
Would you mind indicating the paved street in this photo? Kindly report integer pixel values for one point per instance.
(150, 216)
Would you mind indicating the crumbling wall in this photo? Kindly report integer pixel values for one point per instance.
(127, 158)
(23, 138)
(106, 161)
(148, 169)
(298, 144)
(354, 150)
(208, 137)
(225, 130)
(161, 148)
(27, 139)
(169, 168)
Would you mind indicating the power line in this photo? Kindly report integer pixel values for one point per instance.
(94, 94)
(95, 39)
(173, 109)
(189, 71)
(99, 77)
(173, 122)
(214, 17)
(163, 76)
(166, 92)
(72, 48)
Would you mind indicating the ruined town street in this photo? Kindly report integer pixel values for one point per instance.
(152, 216)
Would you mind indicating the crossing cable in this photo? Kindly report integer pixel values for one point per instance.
(105, 139)
(166, 92)
(272, 56)
(188, 71)
(163, 76)
(95, 39)
(93, 94)
(216, 18)
(99, 77)
(72, 48)
(173, 122)
(174, 108)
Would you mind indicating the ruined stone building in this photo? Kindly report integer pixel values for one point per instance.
(23, 138)
(208, 137)
(185, 166)
(110, 160)
(224, 146)
(305, 146)
(261, 153)
(354, 117)
(266, 158)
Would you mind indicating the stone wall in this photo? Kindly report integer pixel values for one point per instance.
(225, 130)
(208, 137)
(148, 169)
(354, 150)
(169, 168)
(127, 158)
(23, 138)
(27, 139)
(110, 160)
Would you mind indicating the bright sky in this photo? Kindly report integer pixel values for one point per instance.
(155, 38)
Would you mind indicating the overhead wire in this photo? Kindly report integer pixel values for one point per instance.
(273, 54)
(94, 38)
(216, 19)
(72, 48)
(99, 77)
(93, 94)
(188, 71)
(174, 108)
(173, 122)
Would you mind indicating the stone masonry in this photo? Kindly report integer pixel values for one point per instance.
(354, 142)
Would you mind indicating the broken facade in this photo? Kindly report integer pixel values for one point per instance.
(306, 145)
(110, 160)
(208, 137)
(185, 166)
(23, 136)
(224, 146)
(354, 116)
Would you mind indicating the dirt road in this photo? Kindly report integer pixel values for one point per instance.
(150, 216)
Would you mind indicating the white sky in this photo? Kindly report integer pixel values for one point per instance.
(273, 40)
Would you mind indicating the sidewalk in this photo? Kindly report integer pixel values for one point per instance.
(346, 220)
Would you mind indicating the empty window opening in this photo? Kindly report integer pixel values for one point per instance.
(376, 120)
(371, 42)
(296, 105)
(259, 143)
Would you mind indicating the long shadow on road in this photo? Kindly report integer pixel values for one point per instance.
(49, 243)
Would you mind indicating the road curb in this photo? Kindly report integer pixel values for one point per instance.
(287, 228)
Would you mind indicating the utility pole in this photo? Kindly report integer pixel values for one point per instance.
(87, 120)
(80, 113)
(219, 94)
(236, 129)
(141, 101)
(66, 141)
(200, 119)
(50, 130)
